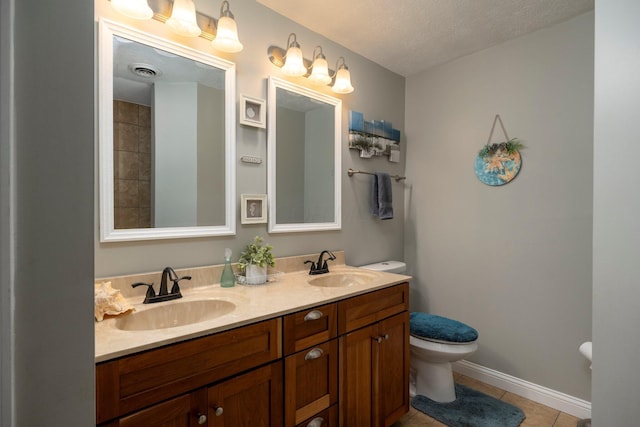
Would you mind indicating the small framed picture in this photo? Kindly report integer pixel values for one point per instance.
(253, 112)
(253, 208)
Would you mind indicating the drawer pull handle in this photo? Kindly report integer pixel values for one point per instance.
(313, 315)
(313, 354)
(218, 410)
(386, 336)
(202, 418)
(316, 422)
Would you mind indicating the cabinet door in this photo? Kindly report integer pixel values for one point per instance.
(356, 377)
(311, 382)
(253, 399)
(184, 411)
(391, 361)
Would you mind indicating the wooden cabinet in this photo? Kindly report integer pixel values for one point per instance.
(311, 373)
(374, 358)
(345, 363)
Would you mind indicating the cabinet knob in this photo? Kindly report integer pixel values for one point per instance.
(380, 338)
(218, 410)
(313, 315)
(202, 418)
(313, 354)
(316, 422)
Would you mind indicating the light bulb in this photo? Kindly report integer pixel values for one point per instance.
(293, 63)
(183, 18)
(320, 71)
(343, 81)
(227, 36)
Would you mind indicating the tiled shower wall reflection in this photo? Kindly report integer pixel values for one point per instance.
(132, 165)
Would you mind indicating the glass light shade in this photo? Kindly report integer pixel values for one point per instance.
(227, 36)
(293, 63)
(183, 18)
(343, 81)
(320, 72)
(136, 9)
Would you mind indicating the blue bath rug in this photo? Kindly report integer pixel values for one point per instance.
(470, 409)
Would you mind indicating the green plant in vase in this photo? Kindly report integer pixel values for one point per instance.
(254, 261)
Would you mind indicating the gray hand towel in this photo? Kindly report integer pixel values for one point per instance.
(381, 198)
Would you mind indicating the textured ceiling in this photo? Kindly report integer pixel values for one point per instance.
(409, 36)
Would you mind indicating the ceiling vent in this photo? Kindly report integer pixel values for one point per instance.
(146, 71)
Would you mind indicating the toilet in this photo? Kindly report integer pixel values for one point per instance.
(435, 343)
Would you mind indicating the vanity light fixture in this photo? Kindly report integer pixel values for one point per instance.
(227, 35)
(294, 64)
(136, 9)
(184, 19)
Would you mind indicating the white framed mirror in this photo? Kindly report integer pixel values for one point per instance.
(304, 158)
(166, 138)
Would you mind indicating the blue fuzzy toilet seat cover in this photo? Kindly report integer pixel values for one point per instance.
(438, 328)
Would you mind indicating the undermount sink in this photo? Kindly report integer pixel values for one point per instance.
(342, 279)
(175, 314)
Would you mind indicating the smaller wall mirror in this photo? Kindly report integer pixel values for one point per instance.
(304, 157)
(166, 140)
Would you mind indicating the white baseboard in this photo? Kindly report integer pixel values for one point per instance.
(546, 396)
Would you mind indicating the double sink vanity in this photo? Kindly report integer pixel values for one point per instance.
(324, 350)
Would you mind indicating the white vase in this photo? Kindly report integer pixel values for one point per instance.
(255, 275)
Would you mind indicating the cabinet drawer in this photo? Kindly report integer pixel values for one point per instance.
(309, 327)
(366, 309)
(326, 418)
(137, 381)
(311, 382)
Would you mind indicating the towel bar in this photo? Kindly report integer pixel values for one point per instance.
(351, 172)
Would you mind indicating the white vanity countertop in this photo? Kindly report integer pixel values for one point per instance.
(290, 293)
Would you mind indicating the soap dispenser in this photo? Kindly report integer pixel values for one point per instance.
(227, 280)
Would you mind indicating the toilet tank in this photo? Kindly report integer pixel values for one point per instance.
(387, 266)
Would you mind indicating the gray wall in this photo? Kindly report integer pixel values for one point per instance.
(51, 269)
(616, 245)
(512, 261)
(379, 94)
(7, 143)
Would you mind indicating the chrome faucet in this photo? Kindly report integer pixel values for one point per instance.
(163, 295)
(320, 267)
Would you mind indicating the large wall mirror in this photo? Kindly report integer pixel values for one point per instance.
(166, 138)
(304, 128)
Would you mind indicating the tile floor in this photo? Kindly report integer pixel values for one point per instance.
(536, 414)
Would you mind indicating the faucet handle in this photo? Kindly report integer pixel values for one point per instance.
(175, 289)
(313, 265)
(151, 293)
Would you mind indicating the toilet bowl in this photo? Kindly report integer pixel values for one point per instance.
(435, 343)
